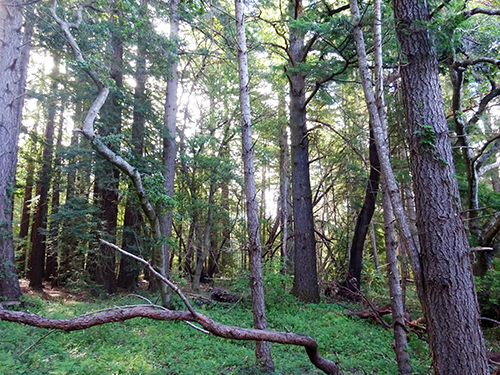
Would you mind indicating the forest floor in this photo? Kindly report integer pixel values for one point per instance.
(146, 347)
(48, 293)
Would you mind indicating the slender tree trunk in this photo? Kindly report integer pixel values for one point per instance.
(373, 241)
(305, 282)
(129, 270)
(107, 184)
(169, 148)
(353, 281)
(397, 300)
(23, 261)
(262, 350)
(14, 58)
(52, 245)
(284, 197)
(202, 255)
(38, 236)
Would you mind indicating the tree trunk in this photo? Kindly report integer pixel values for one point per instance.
(201, 256)
(39, 226)
(397, 299)
(129, 270)
(455, 336)
(284, 197)
(53, 240)
(169, 147)
(364, 219)
(23, 261)
(107, 183)
(13, 71)
(305, 282)
(262, 350)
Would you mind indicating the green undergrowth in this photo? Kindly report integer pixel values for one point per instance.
(142, 346)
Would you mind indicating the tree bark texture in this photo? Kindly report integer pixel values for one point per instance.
(12, 85)
(451, 311)
(262, 350)
(305, 282)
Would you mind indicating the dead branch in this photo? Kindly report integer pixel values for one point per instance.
(217, 329)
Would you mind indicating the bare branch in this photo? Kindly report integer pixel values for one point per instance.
(480, 60)
(217, 329)
(486, 11)
(156, 273)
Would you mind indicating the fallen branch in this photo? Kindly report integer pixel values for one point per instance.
(120, 314)
(217, 329)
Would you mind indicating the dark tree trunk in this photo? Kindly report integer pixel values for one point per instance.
(451, 311)
(305, 282)
(22, 263)
(13, 71)
(129, 269)
(38, 236)
(103, 269)
(353, 281)
(52, 245)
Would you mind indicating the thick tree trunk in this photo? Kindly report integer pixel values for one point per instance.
(262, 350)
(305, 282)
(13, 67)
(455, 336)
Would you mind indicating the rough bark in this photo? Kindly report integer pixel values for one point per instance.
(451, 311)
(305, 282)
(262, 350)
(13, 68)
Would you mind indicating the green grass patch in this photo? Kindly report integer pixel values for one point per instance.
(142, 346)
